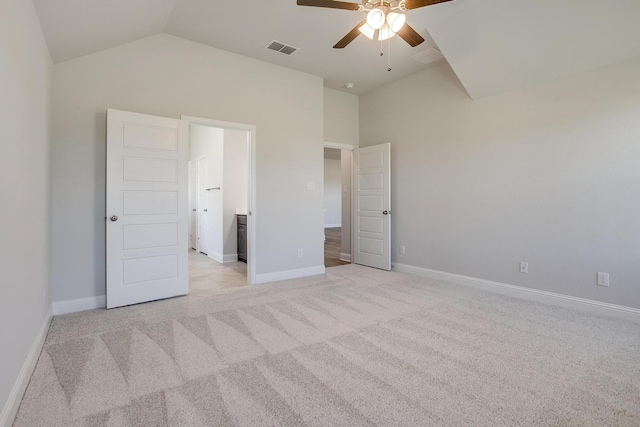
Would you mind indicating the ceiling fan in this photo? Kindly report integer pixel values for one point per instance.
(382, 17)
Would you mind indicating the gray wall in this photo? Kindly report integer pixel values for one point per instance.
(168, 76)
(341, 117)
(547, 175)
(234, 190)
(332, 190)
(341, 125)
(25, 75)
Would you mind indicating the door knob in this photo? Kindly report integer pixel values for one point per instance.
(114, 218)
(206, 210)
(386, 212)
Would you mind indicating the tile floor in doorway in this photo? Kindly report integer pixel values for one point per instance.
(205, 274)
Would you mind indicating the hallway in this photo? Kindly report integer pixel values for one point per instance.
(207, 274)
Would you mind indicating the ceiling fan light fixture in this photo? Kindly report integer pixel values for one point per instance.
(396, 21)
(385, 32)
(375, 18)
(367, 31)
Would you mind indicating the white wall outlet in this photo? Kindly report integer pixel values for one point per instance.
(603, 279)
(311, 185)
(300, 253)
(524, 267)
(403, 250)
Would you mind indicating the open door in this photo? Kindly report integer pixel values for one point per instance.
(372, 206)
(146, 208)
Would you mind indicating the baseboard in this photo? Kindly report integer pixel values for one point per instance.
(20, 386)
(332, 225)
(80, 304)
(289, 274)
(216, 257)
(566, 301)
(345, 257)
(230, 258)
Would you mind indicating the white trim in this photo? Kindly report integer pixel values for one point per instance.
(216, 257)
(290, 274)
(10, 410)
(340, 145)
(230, 258)
(252, 225)
(332, 225)
(566, 301)
(80, 304)
(345, 257)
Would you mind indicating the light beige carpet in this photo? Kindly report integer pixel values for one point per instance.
(356, 347)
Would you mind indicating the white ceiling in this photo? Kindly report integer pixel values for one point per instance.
(492, 45)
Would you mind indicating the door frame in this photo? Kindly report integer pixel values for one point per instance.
(252, 229)
(346, 147)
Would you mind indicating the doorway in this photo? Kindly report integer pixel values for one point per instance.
(222, 171)
(337, 204)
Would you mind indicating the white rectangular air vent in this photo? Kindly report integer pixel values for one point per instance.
(428, 56)
(281, 47)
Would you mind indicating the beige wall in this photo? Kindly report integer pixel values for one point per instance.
(25, 74)
(547, 175)
(168, 76)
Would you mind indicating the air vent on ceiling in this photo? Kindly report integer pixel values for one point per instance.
(281, 47)
(428, 56)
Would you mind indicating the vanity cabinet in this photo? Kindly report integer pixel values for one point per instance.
(242, 238)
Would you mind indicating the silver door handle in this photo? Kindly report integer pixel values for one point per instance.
(386, 212)
(114, 218)
(206, 210)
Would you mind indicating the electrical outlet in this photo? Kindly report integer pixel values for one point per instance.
(403, 250)
(603, 279)
(524, 267)
(311, 185)
(299, 253)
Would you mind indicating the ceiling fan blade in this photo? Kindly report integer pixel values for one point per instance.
(351, 36)
(410, 35)
(414, 4)
(333, 4)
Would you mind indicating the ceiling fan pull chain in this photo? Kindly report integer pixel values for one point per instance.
(389, 54)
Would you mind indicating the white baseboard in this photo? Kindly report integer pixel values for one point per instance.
(216, 256)
(10, 409)
(223, 258)
(345, 257)
(289, 274)
(80, 304)
(332, 225)
(566, 301)
(230, 258)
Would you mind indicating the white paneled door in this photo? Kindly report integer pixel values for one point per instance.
(372, 206)
(147, 216)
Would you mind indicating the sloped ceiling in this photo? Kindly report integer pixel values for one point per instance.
(492, 45)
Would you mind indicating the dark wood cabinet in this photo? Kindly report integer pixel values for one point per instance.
(242, 238)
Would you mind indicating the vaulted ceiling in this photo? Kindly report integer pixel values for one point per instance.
(492, 45)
